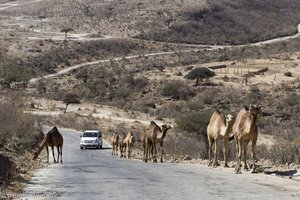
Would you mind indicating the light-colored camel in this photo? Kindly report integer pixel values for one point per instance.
(218, 128)
(154, 135)
(129, 142)
(53, 139)
(115, 143)
(122, 145)
(245, 130)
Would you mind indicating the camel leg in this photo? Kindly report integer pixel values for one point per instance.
(215, 163)
(121, 151)
(239, 156)
(253, 155)
(245, 154)
(154, 147)
(210, 141)
(47, 149)
(128, 152)
(150, 151)
(225, 151)
(144, 154)
(60, 154)
(116, 150)
(146, 148)
(52, 147)
(162, 152)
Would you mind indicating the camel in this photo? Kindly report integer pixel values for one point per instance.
(154, 135)
(122, 145)
(218, 128)
(52, 138)
(129, 142)
(115, 143)
(245, 130)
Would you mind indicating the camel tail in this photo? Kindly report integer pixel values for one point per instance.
(42, 145)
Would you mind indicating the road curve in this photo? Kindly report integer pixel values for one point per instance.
(95, 174)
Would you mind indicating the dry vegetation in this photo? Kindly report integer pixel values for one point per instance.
(155, 85)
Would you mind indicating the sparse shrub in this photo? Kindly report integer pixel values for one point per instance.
(179, 146)
(288, 74)
(177, 90)
(169, 110)
(82, 74)
(70, 98)
(193, 122)
(194, 105)
(122, 93)
(209, 96)
(17, 129)
(292, 99)
(98, 87)
(254, 95)
(226, 78)
(15, 73)
(284, 152)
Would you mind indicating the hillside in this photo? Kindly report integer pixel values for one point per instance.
(188, 21)
(133, 56)
(231, 22)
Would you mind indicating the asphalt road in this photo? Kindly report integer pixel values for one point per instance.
(95, 174)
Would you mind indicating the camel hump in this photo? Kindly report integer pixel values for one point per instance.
(153, 123)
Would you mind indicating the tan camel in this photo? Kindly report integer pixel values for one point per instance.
(115, 143)
(245, 130)
(129, 142)
(122, 145)
(52, 138)
(154, 135)
(218, 128)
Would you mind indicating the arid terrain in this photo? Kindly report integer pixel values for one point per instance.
(126, 63)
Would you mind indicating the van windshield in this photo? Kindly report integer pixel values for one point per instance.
(90, 134)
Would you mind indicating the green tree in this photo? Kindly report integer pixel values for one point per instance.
(66, 30)
(199, 74)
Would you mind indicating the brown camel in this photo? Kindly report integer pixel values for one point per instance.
(115, 143)
(129, 142)
(245, 130)
(218, 128)
(122, 145)
(52, 138)
(154, 135)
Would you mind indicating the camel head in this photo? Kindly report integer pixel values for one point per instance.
(165, 127)
(229, 119)
(164, 130)
(255, 109)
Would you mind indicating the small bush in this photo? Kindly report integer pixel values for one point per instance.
(177, 90)
(193, 122)
(15, 73)
(285, 151)
(292, 99)
(17, 129)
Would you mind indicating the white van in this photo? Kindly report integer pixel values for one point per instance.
(91, 138)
